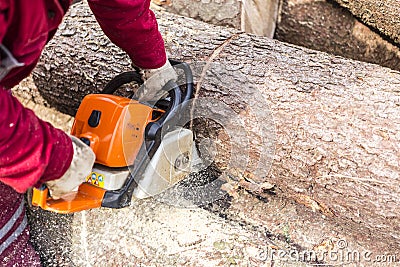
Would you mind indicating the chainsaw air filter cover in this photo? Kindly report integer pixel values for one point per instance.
(113, 127)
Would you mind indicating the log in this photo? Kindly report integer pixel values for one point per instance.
(321, 25)
(258, 17)
(242, 230)
(328, 27)
(383, 16)
(322, 129)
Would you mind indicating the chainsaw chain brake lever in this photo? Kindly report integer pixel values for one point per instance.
(178, 103)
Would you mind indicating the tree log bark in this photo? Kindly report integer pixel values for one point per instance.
(382, 16)
(323, 129)
(328, 27)
(258, 17)
(322, 25)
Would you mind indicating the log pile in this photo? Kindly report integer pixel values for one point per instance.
(323, 129)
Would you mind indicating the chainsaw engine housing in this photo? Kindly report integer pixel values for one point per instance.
(113, 126)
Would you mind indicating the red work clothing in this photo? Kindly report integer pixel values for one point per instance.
(31, 150)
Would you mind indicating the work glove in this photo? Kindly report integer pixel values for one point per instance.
(154, 80)
(81, 166)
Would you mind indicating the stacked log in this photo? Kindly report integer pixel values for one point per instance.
(383, 16)
(328, 27)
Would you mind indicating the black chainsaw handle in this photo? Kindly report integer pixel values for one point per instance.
(121, 79)
(153, 129)
(188, 78)
(134, 76)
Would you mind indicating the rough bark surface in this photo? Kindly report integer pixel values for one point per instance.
(223, 13)
(317, 24)
(328, 27)
(336, 121)
(380, 15)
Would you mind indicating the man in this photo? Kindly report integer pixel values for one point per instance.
(32, 152)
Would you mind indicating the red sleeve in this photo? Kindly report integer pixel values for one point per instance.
(4, 5)
(31, 150)
(132, 26)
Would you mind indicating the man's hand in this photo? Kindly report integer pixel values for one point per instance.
(154, 80)
(81, 166)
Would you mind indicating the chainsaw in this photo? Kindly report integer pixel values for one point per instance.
(139, 151)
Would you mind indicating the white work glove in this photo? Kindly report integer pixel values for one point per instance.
(81, 166)
(154, 80)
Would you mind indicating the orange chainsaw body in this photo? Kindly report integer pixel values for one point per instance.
(113, 126)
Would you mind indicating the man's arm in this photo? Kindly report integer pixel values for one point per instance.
(132, 26)
(31, 150)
